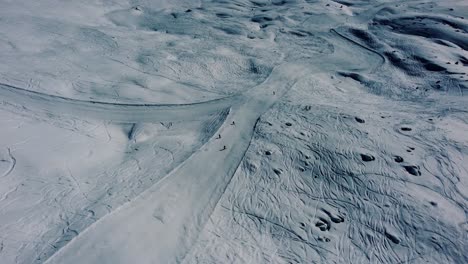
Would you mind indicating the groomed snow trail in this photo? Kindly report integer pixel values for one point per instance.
(115, 112)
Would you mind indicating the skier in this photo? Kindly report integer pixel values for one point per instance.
(219, 136)
(233, 123)
(224, 148)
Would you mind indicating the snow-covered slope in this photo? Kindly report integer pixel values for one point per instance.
(262, 131)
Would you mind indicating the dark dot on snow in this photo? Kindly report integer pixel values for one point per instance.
(288, 124)
(322, 226)
(302, 224)
(359, 120)
(411, 148)
(405, 129)
(188, 10)
(433, 203)
(323, 239)
(367, 158)
(398, 159)
(277, 171)
(337, 219)
(268, 153)
(392, 238)
(413, 170)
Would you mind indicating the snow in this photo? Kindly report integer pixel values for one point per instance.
(239, 131)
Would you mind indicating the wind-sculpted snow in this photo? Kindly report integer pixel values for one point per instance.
(335, 175)
(244, 131)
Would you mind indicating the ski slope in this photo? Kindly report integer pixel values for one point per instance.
(233, 132)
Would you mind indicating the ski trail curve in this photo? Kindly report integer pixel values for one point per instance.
(12, 164)
(382, 57)
(117, 112)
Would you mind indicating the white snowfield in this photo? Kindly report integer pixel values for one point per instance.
(243, 131)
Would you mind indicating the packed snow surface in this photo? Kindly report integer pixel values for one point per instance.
(240, 131)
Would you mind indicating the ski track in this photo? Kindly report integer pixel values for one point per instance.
(12, 164)
(115, 112)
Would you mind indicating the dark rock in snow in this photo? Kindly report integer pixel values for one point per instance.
(360, 120)
(367, 158)
(398, 159)
(413, 170)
